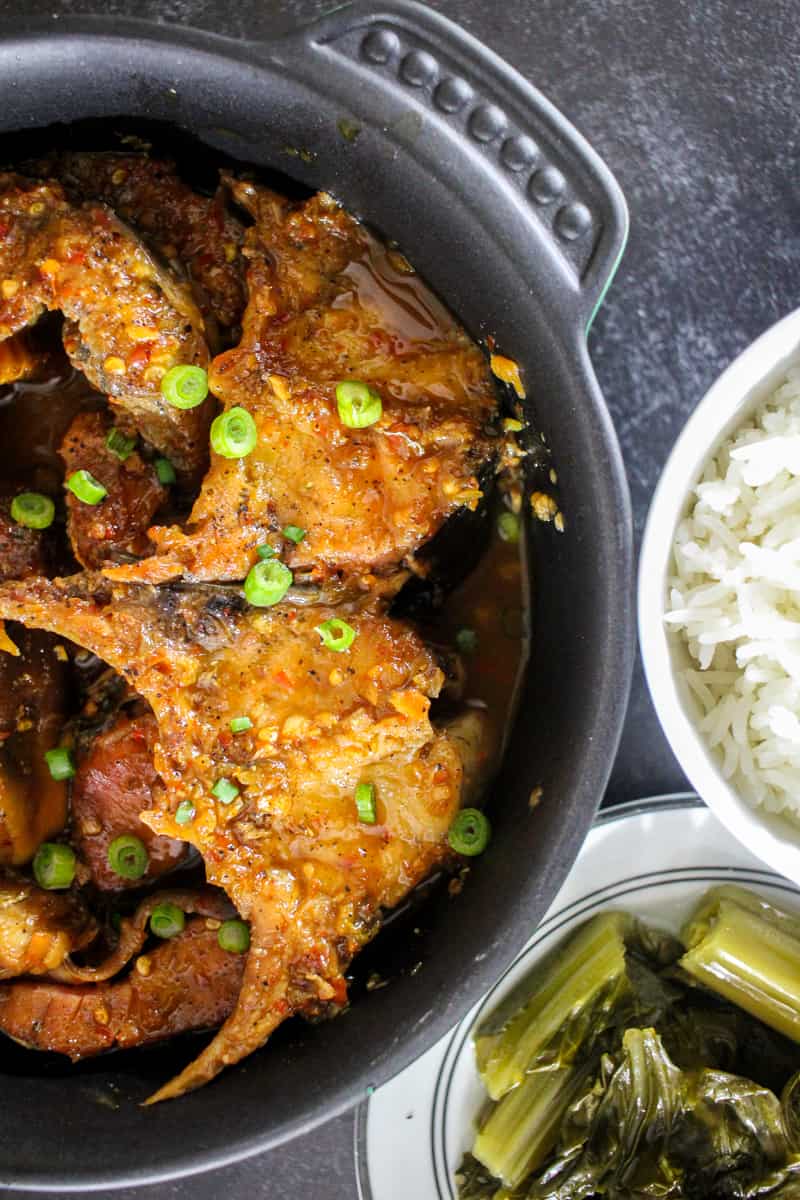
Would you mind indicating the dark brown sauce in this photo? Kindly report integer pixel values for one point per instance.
(410, 312)
(34, 416)
(493, 602)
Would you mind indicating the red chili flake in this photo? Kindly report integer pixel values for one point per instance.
(76, 257)
(283, 679)
(383, 341)
(140, 355)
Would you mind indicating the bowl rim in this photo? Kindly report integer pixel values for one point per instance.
(744, 383)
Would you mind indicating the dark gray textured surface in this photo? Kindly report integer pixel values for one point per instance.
(693, 106)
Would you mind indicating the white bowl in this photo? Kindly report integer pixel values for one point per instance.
(740, 389)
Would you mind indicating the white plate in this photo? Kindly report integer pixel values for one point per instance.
(655, 858)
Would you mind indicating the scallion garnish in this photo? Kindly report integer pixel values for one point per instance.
(164, 470)
(508, 526)
(128, 857)
(336, 634)
(359, 405)
(167, 920)
(184, 813)
(59, 763)
(54, 866)
(33, 510)
(469, 832)
(294, 533)
(234, 433)
(234, 936)
(185, 386)
(86, 488)
(267, 583)
(240, 724)
(365, 803)
(120, 444)
(225, 791)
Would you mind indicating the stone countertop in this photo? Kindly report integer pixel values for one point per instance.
(693, 106)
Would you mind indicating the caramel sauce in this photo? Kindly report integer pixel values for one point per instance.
(410, 312)
(34, 416)
(493, 600)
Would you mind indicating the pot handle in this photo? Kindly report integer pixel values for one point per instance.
(563, 184)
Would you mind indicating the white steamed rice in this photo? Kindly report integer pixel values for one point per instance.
(734, 598)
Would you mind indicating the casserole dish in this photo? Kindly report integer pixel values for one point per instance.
(517, 224)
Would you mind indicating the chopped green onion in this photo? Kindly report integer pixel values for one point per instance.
(54, 866)
(164, 470)
(59, 763)
(359, 405)
(336, 634)
(267, 583)
(365, 803)
(234, 936)
(469, 833)
(167, 920)
(87, 489)
(225, 791)
(512, 425)
(184, 813)
(33, 510)
(467, 640)
(128, 857)
(185, 386)
(120, 444)
(240, 724)
(234, 433)
(266, 551)
(508, 526)
(294, 533)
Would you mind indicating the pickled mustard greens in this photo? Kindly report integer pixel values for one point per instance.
(749, 952)
(634, 1065)
(589, 984)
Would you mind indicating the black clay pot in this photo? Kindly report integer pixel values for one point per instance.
(519, 226)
